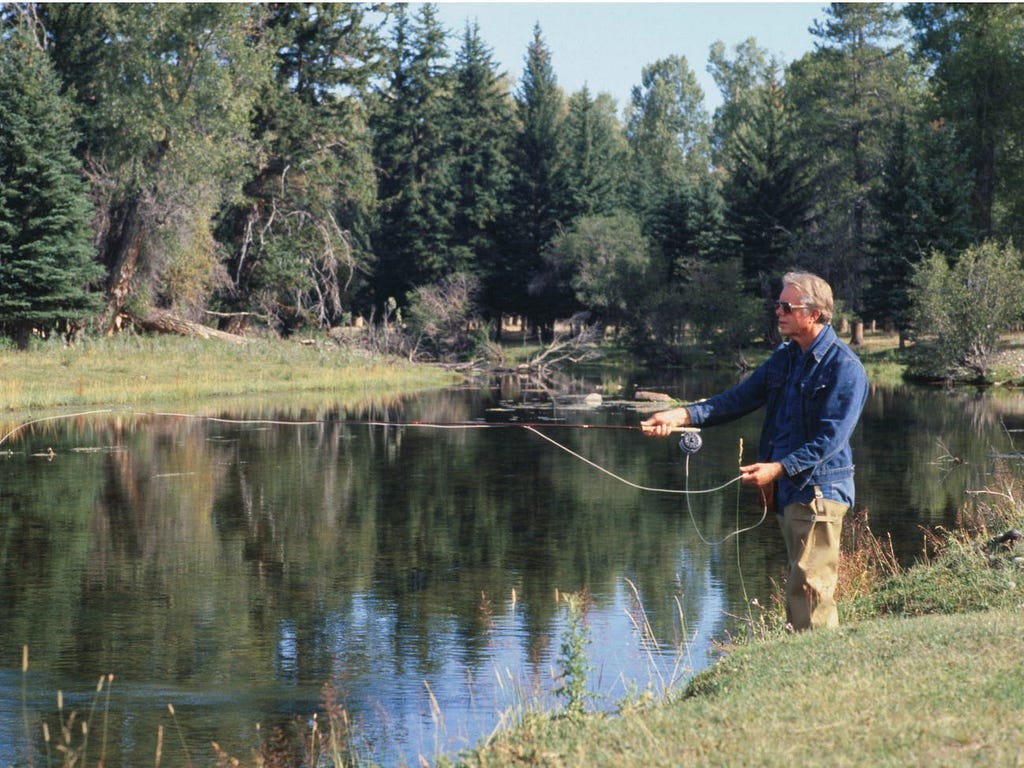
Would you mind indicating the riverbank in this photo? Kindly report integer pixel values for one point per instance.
(925, 669)
(165, 371)
(932, 690)
(131, 370)
(736, 713)
(145, 371)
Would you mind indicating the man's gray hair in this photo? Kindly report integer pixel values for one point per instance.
(814, 292)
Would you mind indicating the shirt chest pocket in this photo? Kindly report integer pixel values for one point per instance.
(815, 388)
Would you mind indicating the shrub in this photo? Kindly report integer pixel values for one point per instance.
(442, 319)
(960, 311)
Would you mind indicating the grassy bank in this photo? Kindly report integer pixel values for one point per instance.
(137, 371)
(926, 669)
(133, 371)
(934, 690)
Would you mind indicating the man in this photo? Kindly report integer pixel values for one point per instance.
(813, 388)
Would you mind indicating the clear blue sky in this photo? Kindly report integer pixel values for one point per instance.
(604, 45)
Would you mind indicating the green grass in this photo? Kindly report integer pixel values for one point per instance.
(133, 371)
(935, 690)
(926, 669)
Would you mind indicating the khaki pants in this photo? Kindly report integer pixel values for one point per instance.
(811, 532)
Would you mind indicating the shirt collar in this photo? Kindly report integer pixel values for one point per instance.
(822, 342)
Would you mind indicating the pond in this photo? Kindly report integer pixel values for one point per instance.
(237, 575)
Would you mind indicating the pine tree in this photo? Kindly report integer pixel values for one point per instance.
(538, 191)
(596, 156)
(416, 193)
(46, 255)
(846, 93)
(902, 233)
(975, 52)
(923, 207)
(769, 189)
(946, 189)
(480, 136)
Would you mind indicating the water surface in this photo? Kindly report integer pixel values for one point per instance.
(242, 570)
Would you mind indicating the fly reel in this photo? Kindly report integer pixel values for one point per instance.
(690, 442)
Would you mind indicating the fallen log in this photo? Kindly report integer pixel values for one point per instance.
(162, 321)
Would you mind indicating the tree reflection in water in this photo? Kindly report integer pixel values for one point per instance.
(235, 569)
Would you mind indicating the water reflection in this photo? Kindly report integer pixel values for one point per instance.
(235, 569)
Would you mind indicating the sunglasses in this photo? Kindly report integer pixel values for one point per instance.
(787, 308)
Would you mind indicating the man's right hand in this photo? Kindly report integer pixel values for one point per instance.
(664, 423)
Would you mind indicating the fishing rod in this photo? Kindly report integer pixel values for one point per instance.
(690, 434)
(690, 442)
(346, 422)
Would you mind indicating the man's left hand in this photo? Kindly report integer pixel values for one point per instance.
(762, 474)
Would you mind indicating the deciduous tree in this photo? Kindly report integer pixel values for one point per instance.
(738, 80)
(164, 93)
(668, 134)
(299, 238)
(960, 311)
(604, 263)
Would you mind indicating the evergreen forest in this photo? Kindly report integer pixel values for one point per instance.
(291, 167)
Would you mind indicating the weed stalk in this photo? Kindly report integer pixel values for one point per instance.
(573, 661)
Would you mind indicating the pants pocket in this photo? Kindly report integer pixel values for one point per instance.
(812, 534)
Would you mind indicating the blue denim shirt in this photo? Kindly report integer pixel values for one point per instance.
(820, 394)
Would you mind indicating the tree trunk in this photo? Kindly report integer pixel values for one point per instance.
(22, 334)
(858, 333)
(123, 261)
(162, 321)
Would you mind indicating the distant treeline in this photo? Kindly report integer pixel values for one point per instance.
(307, 165)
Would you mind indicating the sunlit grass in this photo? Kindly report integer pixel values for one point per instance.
(144, 371)
(133, 371)
(924, 670)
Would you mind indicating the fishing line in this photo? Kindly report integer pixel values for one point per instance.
(51, 418)
(316, 422)
(623, 480)
(693, 519)
(690, 443)
(687, 447)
